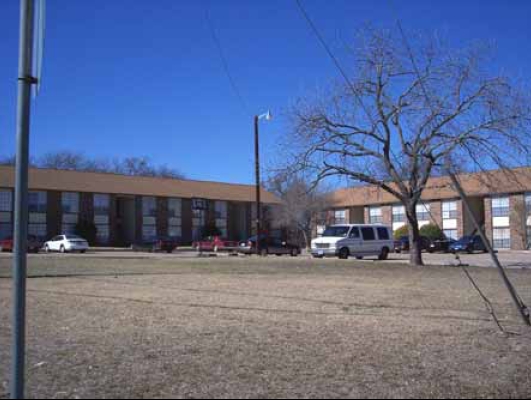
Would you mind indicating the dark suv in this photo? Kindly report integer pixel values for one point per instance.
(268, 245)
(468, 243)
(402, 244)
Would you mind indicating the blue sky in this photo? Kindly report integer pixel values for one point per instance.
(143, 77)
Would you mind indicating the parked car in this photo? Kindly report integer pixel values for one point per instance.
(34, 245)
(468, 243)
(440, 245)
(66, 243)
(159, 244)
(357, 240)
(269, 245)
(215, 244)
(402, 244)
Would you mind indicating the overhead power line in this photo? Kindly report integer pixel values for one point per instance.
(520, 305)
(223, 59)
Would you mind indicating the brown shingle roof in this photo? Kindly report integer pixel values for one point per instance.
(77, 181)
(475, 184)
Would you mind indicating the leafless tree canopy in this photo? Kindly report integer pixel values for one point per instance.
(302, 204)
(410, 110)
(66, 160)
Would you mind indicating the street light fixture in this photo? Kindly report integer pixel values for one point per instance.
(266, 116)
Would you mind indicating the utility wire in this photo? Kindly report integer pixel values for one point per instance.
(223, 59)
(488, 304)
(417, 72)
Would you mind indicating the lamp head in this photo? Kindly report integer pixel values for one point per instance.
(266, 116)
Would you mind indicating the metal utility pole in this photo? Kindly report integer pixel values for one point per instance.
(25, 80)
(257, 172)
(522, 308)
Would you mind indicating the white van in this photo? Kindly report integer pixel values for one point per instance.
(359, 240)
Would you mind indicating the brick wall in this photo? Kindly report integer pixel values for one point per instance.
(387, 217)
(517, 221)
(186, 221)
(86, 206)
(162, 216)
(436, 213)
(53, 213)
(356, 215)
(112, 221)
(488, 217)
(138, 218)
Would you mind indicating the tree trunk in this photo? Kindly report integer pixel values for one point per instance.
(415, 249)
(306, 239)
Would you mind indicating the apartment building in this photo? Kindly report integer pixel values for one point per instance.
(128, 209)
(500, 201)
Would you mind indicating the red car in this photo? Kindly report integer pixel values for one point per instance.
(215, 244)
(34, 245)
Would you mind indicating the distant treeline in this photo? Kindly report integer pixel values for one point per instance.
(67, 160)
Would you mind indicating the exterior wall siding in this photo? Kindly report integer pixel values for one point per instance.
(517, 221)
(488, 217)
(186, 221)
(162, 216)
(113, 235)
(53, 213)
(138, 218)
(436, 213)
(387, 217)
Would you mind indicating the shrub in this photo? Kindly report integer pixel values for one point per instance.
(432, 231)
(210, 230)
(86, 229)
(401, 232)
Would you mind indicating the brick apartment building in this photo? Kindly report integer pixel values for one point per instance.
(127, 209)
(501, 202)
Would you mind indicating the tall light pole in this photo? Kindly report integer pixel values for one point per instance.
(267, 116)
(25, 80)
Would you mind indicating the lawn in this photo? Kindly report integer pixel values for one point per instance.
(277, 327)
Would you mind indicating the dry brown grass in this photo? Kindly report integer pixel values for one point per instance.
(275, 328)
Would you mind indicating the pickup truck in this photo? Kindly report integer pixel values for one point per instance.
(215, 244)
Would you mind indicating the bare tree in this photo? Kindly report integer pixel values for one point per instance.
(68, 160)
(302, 204)
(407, 112)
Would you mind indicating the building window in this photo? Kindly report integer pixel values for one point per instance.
(149, 231)
(340, 216)
(199, 207)
(375, 215)
(102, 204)
(70, 202)
(6, 230)
(37, 202)
(449, 210)
(38, 230)
(149, 206)
(423, 211)
(399, 214)
(450, 234)
(174, 217)
(149, 222)
(6, 200)
(501, 237)
(221, 216)
(70, 206)
(6, 209)
(102, 235)
(500, 207)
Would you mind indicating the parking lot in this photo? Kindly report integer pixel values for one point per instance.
(509, 259)
(169, 326)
